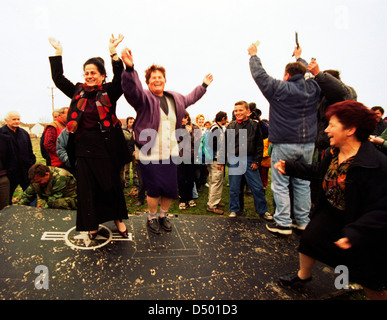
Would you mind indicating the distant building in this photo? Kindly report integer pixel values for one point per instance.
(38, 129)
(26, 126)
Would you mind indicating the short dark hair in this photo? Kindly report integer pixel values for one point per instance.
(128, 118)
(98, 62)
(37, 169)
(294, 68)
(220, 115)
(255, 112)
(354, 114)
(151, 69)
(252, 106)
(378, 108)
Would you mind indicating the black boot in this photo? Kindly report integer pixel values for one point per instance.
(165, 224)
(153, 226)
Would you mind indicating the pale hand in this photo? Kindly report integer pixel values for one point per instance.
(376, 140)
(313, 68)
(280, 166)
(208, 79)
(297, 52)
(127, 57)
(113, 43)
(56, 45)
(252, 50)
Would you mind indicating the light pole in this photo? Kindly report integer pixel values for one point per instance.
(52, 97)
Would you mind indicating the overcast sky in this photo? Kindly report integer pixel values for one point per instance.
(190, 39)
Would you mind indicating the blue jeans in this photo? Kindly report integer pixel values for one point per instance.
(280, 184)
(253, 180)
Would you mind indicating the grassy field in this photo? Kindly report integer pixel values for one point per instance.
(201, 202)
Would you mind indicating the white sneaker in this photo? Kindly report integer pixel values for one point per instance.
(182, 206)
(232, 214)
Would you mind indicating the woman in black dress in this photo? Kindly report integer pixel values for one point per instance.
(96, 142)
(348, 226)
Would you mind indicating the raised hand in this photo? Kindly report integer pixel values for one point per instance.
(208, 79)
(127, 57)
(313, 68)
(297, 52)
(56, 45)
(252, 50)
(114, 42)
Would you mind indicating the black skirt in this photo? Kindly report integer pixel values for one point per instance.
(99, 188)
(366, 263)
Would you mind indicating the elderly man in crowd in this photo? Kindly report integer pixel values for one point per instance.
(23, 156)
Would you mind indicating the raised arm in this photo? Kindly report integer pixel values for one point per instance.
(61, 82)
(332, 88)
(113, 43)
(198, 91)
(56, 45)
(127, 57)
(266, 84)
(208, 79)
(115, 89)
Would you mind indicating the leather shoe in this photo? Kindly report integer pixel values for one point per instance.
(165, 224)
(215, 210)
(153, 226)
(292, 279)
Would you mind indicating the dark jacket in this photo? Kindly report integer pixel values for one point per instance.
(293, 105)
(23, 156)
(7, 156)
(365, 192)
(113, 88)
(254, 141)
(114, 140)
(332, 90)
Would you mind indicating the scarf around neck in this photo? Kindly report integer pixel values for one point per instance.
(79, 102)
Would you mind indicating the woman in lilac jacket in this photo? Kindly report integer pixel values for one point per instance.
(159, 114)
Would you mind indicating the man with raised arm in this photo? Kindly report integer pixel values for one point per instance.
(293, 131)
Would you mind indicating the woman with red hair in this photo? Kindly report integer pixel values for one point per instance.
(349, 222)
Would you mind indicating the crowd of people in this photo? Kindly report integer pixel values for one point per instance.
(327, 153)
